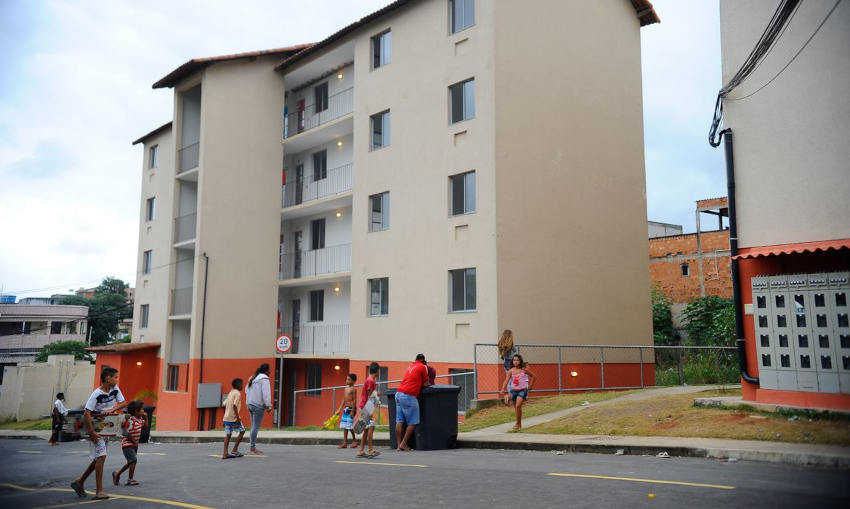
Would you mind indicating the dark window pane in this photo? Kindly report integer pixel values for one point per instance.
(819, 300)
(821, 320)
(841, 299)
(457, 290)
(780, 301)
(845, 362)
(765, 360)
(762, 321)
(457, 194)
(765, 340)
(317, 305)
(456, 98)
(761, 302)
(803, 341)
(805, 362)
(843, 320)
(785, 361)
(823, 340)
(320, 93)
(845, 340)
(783, 340)
(320, 165)
(781, 321)
(826, 362)
(470, 289)
(801, 320)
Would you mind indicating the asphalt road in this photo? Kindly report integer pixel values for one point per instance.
(192, 475)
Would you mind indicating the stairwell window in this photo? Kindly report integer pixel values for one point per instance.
(379, 212)
(462, 189)
(153, 158)
(147, 262)
(462, 294)
(380, 129)
(379, 296)
(144, 311)
(462, 101)
(461, 15)
(382, 49)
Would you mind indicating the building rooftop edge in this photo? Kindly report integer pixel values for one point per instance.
(156, 131)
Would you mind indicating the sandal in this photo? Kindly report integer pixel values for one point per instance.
(100, 496)
(78, 489)
(362, 455)
(132, 482)
(374, 454)
(116, 478)
(236, 454)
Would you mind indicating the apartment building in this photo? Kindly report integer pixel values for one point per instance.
(25, 328)
(416, 182)
(789, 164)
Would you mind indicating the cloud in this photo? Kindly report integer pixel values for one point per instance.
(49, 159)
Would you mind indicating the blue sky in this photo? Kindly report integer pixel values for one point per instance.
(75, 80)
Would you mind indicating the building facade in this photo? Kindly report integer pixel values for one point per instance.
(409, 201)
(791, 175)
(25, 328)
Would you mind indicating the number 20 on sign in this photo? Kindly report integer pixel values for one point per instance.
(283, 344)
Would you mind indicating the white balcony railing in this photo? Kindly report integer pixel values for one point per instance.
(335, 181)
(316, 262)
(310, 116)
(320, 338)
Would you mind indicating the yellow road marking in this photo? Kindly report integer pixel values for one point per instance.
(30, 452)
(383, 464)
(151, 454)
(112, 495)
(655, 481)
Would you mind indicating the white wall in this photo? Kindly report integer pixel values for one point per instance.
(29, 389)
(337, 229)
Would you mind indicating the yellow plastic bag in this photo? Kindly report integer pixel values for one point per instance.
(332, 422)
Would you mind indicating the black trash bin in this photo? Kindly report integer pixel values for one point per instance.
(437, 428)
(146, 430)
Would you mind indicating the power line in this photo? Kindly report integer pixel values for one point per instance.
(792, 58)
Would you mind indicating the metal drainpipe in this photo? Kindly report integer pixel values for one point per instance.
(204, 316)
(733, 251)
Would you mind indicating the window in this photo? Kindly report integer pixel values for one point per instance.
(173, 377)
(462, 101)
(780, 301)
(461, 14)
(320, 165)
(380, 129)
(379, 217)
(823, 340)
(785, 361)
(382, 49)
(686, 270)
(147, 261)
(805, 362)
(379, 296)
(803, 340)
(825, 362)
(144, 311)
(314, 380)
(150, 209)
(462, 290)
(317, 305)
(840, 299)
(765, 360)
(320, 93)
(765, 340)
(463, 193)
(153, 159)
(317, 234)
(56, 327)
(820, 300)
(783, 340)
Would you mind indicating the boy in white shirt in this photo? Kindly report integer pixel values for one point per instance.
(106, 399)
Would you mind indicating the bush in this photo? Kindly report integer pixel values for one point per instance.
(710, 321)
(662, 318)
(75, 348)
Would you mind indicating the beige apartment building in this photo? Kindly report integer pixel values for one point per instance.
(789, 162)
(447, 169)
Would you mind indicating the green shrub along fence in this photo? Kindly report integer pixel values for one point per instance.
(696, 366)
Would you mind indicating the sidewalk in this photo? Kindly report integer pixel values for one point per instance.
(498, 437)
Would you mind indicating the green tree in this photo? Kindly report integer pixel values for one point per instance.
(75, 348)
(106, 309)
(662, 318)
(710, 321)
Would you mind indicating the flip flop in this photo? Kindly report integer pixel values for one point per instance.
(374, 454)
(132, 482)
(237, 454)
(116, 479)
(102, 496)
(362, 455)
(228, 457)
(79, 489)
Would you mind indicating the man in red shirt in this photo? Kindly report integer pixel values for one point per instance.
(406, 402)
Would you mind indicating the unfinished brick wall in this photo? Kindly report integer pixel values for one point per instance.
(667, 254)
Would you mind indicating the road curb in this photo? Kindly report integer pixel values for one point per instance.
(813, 460)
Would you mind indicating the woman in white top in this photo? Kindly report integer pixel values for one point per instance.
(58, 414)
(258, 398)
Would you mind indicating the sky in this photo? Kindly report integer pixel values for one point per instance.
(75, 91)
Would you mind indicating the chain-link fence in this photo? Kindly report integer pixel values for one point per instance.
(311, 407)
(566, 368)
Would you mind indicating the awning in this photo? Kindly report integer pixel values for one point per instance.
(801, 247)
(122, 347)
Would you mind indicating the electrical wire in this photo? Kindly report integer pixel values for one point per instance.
(792, 58)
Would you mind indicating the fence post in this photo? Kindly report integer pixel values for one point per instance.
(333, 400)
(559, 369)
(681, 352)
(602, 364)
(640, 352)
(475, 370)
(294, 400)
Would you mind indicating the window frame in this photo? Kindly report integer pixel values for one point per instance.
(321, 95)
(317, 305)
(464, 179)
(685, 269)
(382, 54)
(153, 157)
(144, 316)
(467, 109)
(453, 28)
(320, 165)
(383, 296)
(384, 118)
(150, 209)
(465, 293)
(147, 261)
(172, 378)
(385, 212)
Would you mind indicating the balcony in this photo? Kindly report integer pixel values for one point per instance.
(184, 227)
(181, 301)
(337, 181)
(316, 262)
(310, 116)
(188, 157)
(319, 338)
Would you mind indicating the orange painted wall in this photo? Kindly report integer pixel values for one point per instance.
(133, 379)
(785, 264)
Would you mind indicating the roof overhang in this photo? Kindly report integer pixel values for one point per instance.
(162, 128)
(123, 347)
(786, 249)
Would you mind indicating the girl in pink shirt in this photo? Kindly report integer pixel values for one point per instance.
(518, 382)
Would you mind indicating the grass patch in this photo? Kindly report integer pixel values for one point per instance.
(501, 413)
(676, 416)
(35, 424)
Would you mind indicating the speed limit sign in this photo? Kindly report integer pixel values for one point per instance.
(283, 344)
